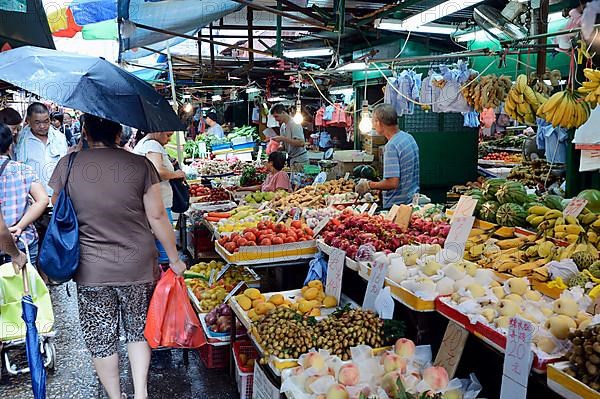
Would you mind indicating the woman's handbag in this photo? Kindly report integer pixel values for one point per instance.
(181, 193)
(59, 253)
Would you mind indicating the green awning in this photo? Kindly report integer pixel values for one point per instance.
(105, 30)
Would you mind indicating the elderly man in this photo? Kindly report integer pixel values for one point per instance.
(40, 145)
(400, 160)
(214, 128)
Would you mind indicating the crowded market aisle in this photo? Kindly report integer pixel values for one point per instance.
(74, 376)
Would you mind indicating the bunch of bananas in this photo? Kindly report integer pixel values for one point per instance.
(591, 88)
(552, 223)
(565, 109)
(522, 102)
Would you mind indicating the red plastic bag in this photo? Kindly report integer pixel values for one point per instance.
(171, 320)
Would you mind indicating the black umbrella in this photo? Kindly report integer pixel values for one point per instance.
(23, 26)
(88, 84)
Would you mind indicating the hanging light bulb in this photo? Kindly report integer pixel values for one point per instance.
(366, 123)
(298, 118)
(188, 107)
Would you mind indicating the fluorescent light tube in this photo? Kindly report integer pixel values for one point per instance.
(308, 52)
(352, 66)
(437, 12)
(397, 25)
(251, 90)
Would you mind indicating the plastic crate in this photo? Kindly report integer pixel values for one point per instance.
(244, 376)
(215, 356)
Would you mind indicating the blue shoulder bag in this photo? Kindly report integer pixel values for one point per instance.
(59, 254)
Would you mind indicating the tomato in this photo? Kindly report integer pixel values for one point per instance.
(308, 231)
(301, 239)
(241, 241)
(267, 236)
(222, 241)
(269, 224)
(280, 228)
(277, 240)
(261, 226)
(250, 236)
(254, 231)
(290, 240)
(250, 244)
(292, 235)
(233, 236)
(265, 241)
(297, 224)
(230, 247)
(267, 231)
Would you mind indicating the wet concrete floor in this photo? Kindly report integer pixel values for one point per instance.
(74, 375)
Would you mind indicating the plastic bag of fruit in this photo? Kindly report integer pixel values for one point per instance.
(171, 321)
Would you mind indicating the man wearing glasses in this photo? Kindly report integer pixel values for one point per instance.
(40, 145)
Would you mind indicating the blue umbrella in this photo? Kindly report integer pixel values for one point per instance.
(32, 342)
(88, 84)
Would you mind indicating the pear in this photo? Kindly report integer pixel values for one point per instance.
(532, 295)
(410, 258)
(489, 314)
(582, 316)
(530, 317)
(546, 344)
(431, 267)
(566, 306)
(514, 297)
(547, 312)
(498, 292)
(517, 285)
(558, 326)
(494, 283)
(503, 322)
(476, 290)
(471, 268)
(508, 308)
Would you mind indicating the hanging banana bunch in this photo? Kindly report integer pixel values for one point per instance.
(522, 102)
(591, 87)
(566, 109)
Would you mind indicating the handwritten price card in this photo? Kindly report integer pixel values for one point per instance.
(575, 207)
(452, 348)
(517, 359)
(459, 233)
(335, 272)
(465, 207)
(375, 285)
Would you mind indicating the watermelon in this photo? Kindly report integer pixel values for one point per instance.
(512, 191)
(368, 172)
(477, 194)
(488, 211)
(357, 171)
(491, 186)
(511, 215)
(553, 201)
(532, 198)
(593, 198)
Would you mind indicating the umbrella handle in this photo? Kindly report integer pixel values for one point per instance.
(24, 269)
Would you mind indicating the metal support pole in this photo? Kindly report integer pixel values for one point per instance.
(278, 49)
(250, 19)
(542, 27)
(283, 14)
(212, 47)
(175, 106)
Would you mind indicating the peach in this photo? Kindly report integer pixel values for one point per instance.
(393, 362)
(436, 378)
(389, 383)
(314, 360)
(337, 391)
(453, 394)
(404, 348)
(349, 374)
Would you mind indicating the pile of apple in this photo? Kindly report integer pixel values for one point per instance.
(198, 190)
(404, 368)
(349, 231)
(553, 319)
(267, 233)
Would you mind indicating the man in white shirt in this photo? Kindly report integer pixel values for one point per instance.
(40, 145)
(215, 129)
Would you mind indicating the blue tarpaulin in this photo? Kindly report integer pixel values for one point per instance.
(92, 11)
(178, 16)
(13, 5)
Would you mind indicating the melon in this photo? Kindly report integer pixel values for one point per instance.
(476, 194)
(512, 192)
(511, 215)
(491, 186)
(593, 198)
(553, 201)
(488, 211)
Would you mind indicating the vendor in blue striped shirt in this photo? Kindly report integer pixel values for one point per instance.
(400, 160)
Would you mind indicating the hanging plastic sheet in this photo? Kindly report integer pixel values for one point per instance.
(92, 11)
(178, 16)
(71, 29)
(106, 30)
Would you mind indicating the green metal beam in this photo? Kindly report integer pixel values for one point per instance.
(385, 13)
(278, 48)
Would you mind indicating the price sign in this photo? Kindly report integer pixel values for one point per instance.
(575, 207)
(391, 215)
(347, 176)
(233, 291)
(372, 209)
(263, 205)
(297, 213)
(320, 226)
(465, 207)
(215, 230)
(459, 233)
(452, 348)
(375, 285)
(260, 150)
(335, 272)
(517, 359)
(363, 208)
(283, 215)
(223, 271)
(262, 387)
(384, 304)
(415, 200)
